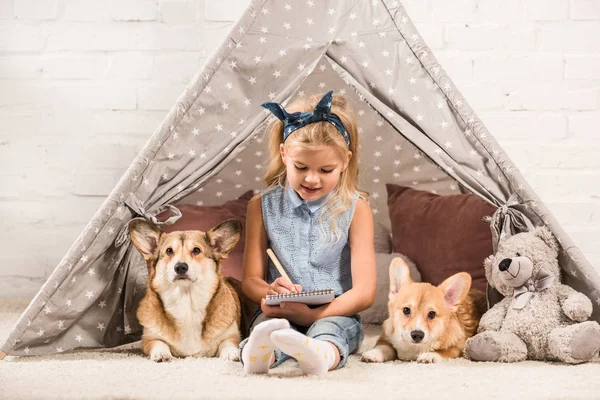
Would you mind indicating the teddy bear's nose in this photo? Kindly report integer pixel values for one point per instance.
(504, 264)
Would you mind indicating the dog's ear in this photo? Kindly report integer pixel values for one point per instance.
(145, 237)
(399, 275)
(456, 289)
(223, 237)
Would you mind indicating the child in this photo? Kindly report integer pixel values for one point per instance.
(321, 229)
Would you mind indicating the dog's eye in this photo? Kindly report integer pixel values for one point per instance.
(406, 311)
(518, 254)
(169, 251)
(431, 314)
(196, 251)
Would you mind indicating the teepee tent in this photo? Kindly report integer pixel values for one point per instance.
(416, 130)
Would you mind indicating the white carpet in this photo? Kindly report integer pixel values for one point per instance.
(127, 374)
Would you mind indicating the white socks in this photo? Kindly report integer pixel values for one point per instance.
(258, 352)
(314, 356)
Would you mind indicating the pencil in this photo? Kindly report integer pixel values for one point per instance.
(279, 266)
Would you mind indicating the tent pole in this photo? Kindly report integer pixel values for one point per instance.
(2, 355)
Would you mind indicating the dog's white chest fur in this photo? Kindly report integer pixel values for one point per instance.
(407, 351)
(188, 308)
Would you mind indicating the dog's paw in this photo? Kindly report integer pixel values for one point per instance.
(372, 356)
(429, 358)
(229, 354)
(161, 353)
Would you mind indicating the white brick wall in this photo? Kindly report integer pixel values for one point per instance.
(83, 83)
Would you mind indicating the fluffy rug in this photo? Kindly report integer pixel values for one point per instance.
(126, 374)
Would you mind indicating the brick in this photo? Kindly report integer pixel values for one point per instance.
(158, 97)
(547, 10)
(453, 11)
(552, 185)
(213, 34)
(74, 66)
(518, 67)
(539, 96)
(569, 36)
(419, 11)
(92, 156)
(126, 36)
(525, 155)
(484, 96)
(582, 66)
(18, 288)
(179, 12)
(584, 125)
(20, 67)
(433, 34)
(86, 11)
(583, 99)
(95, 183)
(133, 10)
(585, 9)
(7, 10)
(35, 9)
(494, 11)
(225, 10)
(580, 155)
(19, 37)
(49, 250)
(475, 37)
(130, 66)
(51, 211)
(30, 183)
(526, 125)
(458, 65)
(576, 213)
(44, 126)
(176, 67)
(98, 96)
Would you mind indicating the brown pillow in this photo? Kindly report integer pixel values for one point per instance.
(443, 235)
(204, 218)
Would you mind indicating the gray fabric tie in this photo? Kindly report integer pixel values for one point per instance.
(508, 221)
(522, 294)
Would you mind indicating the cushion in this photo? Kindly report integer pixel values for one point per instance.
(204, 218)
(379, 310)
(382, 238)
(443, 235)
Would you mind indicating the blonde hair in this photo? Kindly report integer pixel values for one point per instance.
(311, 137)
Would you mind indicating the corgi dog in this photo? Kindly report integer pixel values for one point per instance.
(189, 309)
(427, 323)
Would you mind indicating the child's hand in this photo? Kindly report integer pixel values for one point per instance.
(298, 313)
(282, 285)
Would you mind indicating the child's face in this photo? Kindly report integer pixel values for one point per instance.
(314, 173)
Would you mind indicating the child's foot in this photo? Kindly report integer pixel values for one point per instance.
(314, 356)
(257, 354)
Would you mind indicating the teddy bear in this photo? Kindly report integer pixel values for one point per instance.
(539, 318)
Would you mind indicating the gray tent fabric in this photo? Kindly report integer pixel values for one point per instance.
(416, 130)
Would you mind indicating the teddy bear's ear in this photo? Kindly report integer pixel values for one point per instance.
(547, 237)
(487, 264)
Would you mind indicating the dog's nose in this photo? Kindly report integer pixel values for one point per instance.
(181, 268)
(504, 264)
(417, 336)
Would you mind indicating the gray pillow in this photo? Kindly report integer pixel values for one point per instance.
(382, 237)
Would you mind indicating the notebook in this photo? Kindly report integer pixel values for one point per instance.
(312, 297)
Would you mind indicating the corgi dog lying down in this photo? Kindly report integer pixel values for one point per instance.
(189, 308)
(427, 323)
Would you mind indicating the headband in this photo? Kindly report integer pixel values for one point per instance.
(295, 121)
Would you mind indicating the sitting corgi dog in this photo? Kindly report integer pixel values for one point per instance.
(189, 309)
(427, 323)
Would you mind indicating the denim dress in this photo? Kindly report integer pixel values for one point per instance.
(313, 258)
